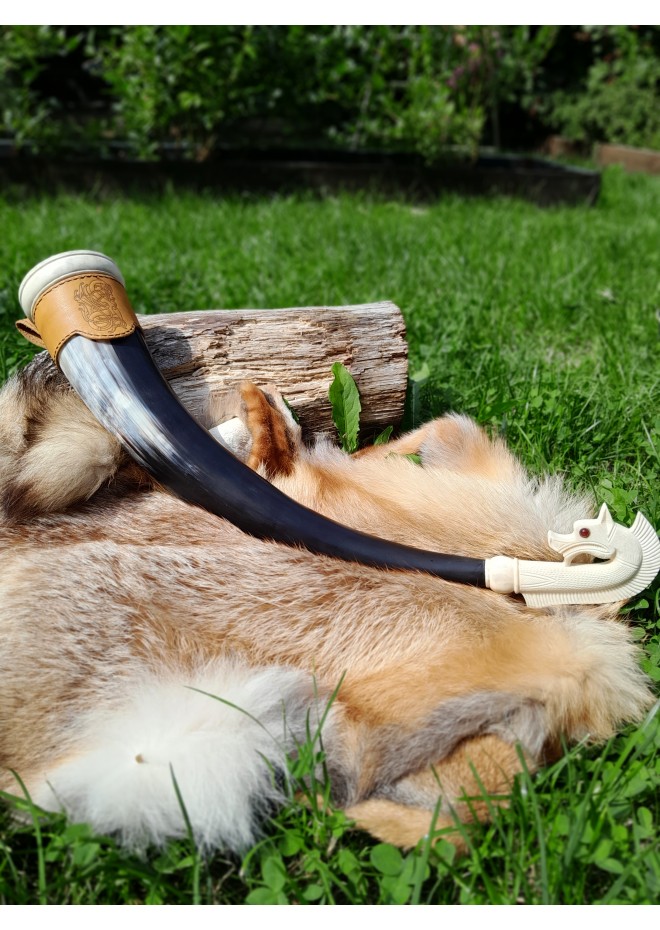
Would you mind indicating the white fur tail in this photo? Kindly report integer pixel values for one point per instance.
(225, 743)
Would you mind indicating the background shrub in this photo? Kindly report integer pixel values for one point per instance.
(618, 98)
(193, 90)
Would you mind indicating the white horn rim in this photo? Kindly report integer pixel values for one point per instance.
(60, 266)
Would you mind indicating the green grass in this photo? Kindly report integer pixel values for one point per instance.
(539, 323)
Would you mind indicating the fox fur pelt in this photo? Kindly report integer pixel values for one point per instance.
(147, 646)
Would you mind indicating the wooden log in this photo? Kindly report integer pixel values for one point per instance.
(293, 349)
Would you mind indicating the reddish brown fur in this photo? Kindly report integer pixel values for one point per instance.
(134, 578)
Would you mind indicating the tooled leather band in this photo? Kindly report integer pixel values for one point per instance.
(93, 305)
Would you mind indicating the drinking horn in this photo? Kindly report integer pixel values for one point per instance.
(77, 303)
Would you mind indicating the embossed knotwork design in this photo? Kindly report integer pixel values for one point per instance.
(98, 306)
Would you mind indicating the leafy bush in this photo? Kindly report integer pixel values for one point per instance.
(424, 89)
(355, 86)
(619, 100)
(399, 87)
(27, 116)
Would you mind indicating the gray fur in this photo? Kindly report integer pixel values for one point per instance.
(511, 717)
(403, 752)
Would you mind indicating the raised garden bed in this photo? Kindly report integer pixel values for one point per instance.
(632, 159)
(543, 182)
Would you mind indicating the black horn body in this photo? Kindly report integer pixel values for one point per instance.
(120, 383)
(155, 428)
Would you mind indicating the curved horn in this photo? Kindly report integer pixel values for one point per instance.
(78, 303)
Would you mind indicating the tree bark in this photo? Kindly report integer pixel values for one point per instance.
(294, 349)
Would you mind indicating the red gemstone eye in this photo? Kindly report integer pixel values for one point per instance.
(585, 533)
